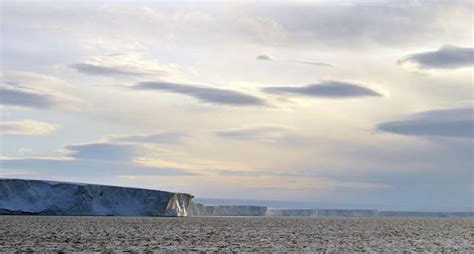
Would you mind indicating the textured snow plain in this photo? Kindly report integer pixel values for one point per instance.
(19, 196)
(239, 234)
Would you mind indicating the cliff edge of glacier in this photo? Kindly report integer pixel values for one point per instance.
(19, 196)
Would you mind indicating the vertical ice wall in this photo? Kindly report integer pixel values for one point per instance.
(178, 205)
(19, 196)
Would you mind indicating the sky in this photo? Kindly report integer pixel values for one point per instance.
(325, 101)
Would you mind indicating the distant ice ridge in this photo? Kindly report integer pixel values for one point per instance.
(322, 212)
(360, 213)
(19, 196)
(197, 209)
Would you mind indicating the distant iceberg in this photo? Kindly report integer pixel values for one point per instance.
(197, 209)
(322, 212)
(19, 196)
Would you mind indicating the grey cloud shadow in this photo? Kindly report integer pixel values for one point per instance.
(25, 98)
(446, 57)
(264, 57)
(327, 89)
(204, 94)
(449, 123)
(98, 70)
(265, 133)
(311, 63)
(105, 151)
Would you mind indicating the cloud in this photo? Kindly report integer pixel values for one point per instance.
(264, 57)
(93, 69)
(204, 94)
(128, 65)
(384, 22)
(131, 148)
(105, 151)
(26, 77)
(26, 127)
(83, 168)
(269, 58)
(94, 159)
(164, 137)
(450, 123)
(263, 133)
(33, 90)
(307, 181)
(25, 98)
(311, 63)
(289, 25)
(446, 57)
(328, 89)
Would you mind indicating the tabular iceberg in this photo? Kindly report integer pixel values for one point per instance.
(321, 212)
(196, 209)
(19, 196)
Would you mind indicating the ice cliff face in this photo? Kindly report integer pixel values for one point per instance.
(58, 198)
(178, 205)
(196, 209)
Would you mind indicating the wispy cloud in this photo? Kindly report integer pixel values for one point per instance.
(94, 159)
(264, 57)
(128, 65)
(451, 123)
(26, 127)
(105, 151)
(446, 57)
(327, 89)
(171, 137)
(204, 94)
(270, 58)
(311, 63)
(94, 69)
(30, 90)
(26, 98)
(264, 133)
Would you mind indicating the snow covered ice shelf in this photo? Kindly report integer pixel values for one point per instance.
(19, 196)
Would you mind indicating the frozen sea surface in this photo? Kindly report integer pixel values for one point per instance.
(241, 234)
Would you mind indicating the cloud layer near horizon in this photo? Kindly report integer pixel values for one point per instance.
(84, 168)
